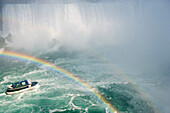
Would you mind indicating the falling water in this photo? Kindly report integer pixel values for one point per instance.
(96, 40)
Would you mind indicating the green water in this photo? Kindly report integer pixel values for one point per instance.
(57, 93)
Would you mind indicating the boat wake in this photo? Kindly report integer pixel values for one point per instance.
(2, 94)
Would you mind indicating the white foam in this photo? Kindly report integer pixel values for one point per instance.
(5, 79)
(2, 94)
(55, 110)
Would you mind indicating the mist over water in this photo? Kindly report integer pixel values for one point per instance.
(133, 35)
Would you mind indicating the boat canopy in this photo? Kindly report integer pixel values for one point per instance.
(19, 84)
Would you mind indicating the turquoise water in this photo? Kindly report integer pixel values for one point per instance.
(57, 93)
(118, 47)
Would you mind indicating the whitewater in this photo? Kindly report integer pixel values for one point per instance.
(120, 48)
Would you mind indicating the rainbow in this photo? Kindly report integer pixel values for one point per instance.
(69, 75)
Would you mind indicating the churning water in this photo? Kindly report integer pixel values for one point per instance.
(118, 47)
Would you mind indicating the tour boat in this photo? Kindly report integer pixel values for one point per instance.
(22, 86)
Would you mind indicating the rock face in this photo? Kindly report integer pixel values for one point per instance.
(5, 41)
(9, 38)
(2, 42)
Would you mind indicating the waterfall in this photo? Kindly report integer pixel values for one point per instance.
(76, 21)
(132, 33)
(129, 26)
